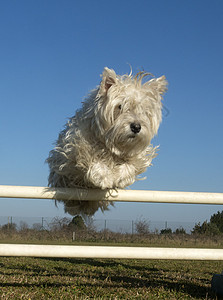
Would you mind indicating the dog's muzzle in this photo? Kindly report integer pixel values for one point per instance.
(135, 127)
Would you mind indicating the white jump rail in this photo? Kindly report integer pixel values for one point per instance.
(110, 252)
(32, 192)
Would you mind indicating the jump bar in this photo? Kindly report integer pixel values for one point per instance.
(110, 252)
(32, 192)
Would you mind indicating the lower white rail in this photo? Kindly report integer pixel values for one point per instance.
(110, 252)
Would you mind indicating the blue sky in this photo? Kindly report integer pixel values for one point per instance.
(53, 52)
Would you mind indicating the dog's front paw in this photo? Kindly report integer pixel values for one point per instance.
(100, 176)
(125, 176)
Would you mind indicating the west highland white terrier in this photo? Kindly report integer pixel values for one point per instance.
(106, 145)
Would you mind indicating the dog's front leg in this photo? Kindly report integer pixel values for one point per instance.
(100, 176)
(125, 175)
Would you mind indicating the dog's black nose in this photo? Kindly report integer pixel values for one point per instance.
(135, 127)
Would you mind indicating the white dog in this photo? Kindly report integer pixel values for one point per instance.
(106, 144)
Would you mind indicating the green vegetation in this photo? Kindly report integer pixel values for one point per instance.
(47, 278)
(214, 227)
(166, 231)
(75, 231)
(35, 278)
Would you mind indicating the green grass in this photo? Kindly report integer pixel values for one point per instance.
(38, 278)
(45, 278)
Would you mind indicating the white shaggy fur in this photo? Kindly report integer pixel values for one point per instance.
(106, 144)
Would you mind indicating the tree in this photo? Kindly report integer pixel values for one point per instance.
(206, 228)
(90, 224)
(9, 226)
(59, 223)
(37, 226)
(77, 223)
(142, 227)
(180, 230)
(166, 231)
(23, 226)
(217, 219)
(214, 227)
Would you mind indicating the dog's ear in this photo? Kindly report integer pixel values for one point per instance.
(159, 87)
(159, 84)
(108, 79)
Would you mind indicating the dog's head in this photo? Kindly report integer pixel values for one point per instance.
(128, 112)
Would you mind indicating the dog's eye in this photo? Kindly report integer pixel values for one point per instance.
(120, 107)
